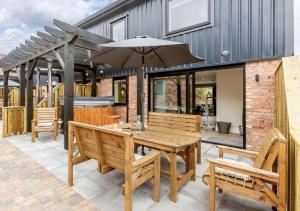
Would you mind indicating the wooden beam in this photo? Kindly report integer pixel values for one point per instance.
(5, 88)
(83, 77)
(40, 41)
(94, 86)
(59, 59)
(49, 83)
(22, 85)
(68, 89)
(55, 32)
(37, 86)
(34, 45)
(80, 32)
(28, 49)
(29, 97)
(47, 37)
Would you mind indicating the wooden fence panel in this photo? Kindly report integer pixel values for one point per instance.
(288, 122)
(13, 119)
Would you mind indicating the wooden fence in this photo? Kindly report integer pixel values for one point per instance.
(13, 120)
(288, 121)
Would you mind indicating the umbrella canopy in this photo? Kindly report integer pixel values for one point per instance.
(156, 52)
(143, 51)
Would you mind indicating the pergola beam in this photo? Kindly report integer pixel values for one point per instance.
(33, 45)
(40, 41)
(22, 85)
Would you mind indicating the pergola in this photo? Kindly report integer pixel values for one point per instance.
(68, 48)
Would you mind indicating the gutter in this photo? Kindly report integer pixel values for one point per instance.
(102, 13)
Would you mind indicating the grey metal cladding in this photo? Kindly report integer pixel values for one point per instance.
(247, 29)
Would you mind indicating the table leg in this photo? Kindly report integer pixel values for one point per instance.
(173, 177)
(193, 162)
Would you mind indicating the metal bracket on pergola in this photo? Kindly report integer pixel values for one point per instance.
(67, 46)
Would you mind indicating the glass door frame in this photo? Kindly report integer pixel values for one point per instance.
(190, 89)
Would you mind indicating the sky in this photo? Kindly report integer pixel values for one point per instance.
(19, 19)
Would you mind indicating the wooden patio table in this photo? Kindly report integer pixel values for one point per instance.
(171, 143)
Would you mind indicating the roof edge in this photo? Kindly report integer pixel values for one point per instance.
(102, 12)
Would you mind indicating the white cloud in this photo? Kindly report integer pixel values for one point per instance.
(40, 12)
(19, 18)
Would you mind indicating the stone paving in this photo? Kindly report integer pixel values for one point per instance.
(26, 185)
(104, 191)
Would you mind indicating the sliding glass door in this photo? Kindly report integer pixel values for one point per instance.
(172, 94)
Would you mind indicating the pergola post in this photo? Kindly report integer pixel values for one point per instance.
(69, 89)
(37, 86)
(29, 97)
(5, 88)
(22, 85)
(83, 76)
(50, 83)
(94, 79)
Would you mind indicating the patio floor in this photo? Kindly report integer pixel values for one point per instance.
(103, 191)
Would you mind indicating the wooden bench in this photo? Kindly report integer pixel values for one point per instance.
(268, 169)
(45, 120)
(179, 123)
(113, 150)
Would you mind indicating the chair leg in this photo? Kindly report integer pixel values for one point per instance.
(199, 152)
(33, 134)
(70, 172)
(212, 184)
(128, 198)
(156, 181)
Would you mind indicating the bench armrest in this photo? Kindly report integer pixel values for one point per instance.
(145, 160)
(242, 152)
(251, 171)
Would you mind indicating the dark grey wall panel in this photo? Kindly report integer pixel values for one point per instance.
(247, 29)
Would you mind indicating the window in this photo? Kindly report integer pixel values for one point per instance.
(120, 90)
(159, 87)
(118, 30)
(184, 14)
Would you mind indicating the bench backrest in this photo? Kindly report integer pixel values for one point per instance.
(177, 122)
(45, 114)
(112, 148)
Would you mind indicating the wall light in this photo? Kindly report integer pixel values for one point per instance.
(257, 77)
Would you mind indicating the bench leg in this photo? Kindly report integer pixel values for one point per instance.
(156, 181)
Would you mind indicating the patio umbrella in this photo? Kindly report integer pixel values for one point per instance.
(141, 52)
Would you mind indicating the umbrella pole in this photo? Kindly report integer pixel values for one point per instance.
(140, 92)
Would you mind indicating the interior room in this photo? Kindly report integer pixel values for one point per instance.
(219, 101)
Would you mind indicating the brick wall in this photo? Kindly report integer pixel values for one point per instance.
(260, 101)
(104, 88)
(132, 98)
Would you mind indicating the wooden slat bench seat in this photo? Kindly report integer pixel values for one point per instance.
(179, 123)
(113, 150)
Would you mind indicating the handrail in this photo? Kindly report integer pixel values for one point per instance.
(56, 88)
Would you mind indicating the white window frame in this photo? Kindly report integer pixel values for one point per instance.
(207, 23)
(125, 19)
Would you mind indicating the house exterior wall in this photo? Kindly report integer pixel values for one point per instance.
(247, 29)
(260, 101)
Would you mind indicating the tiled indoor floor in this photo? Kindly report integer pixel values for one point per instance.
(104, 191)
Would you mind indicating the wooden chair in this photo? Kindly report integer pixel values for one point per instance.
(269, 168)
(114, 150)
(45, 120)
(178, 123)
